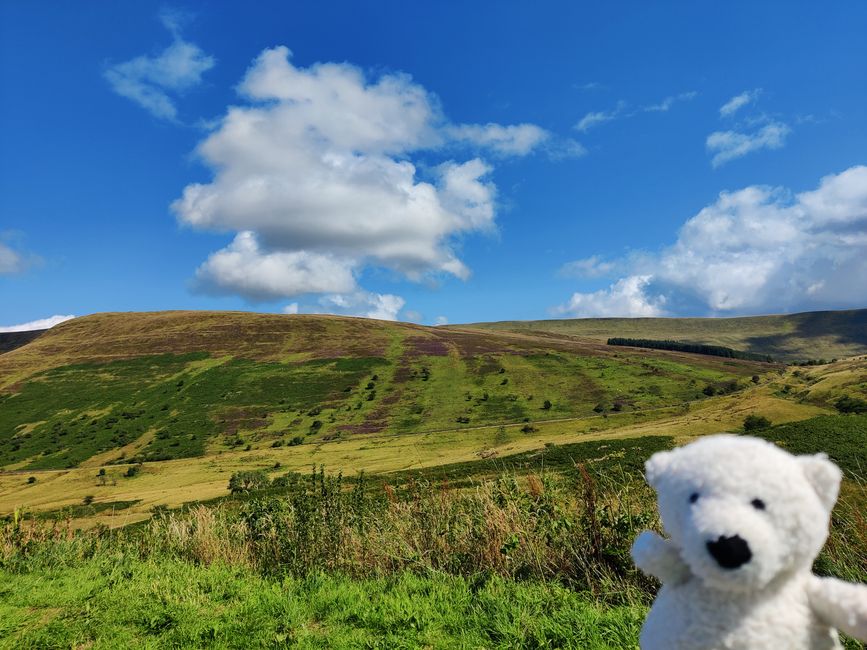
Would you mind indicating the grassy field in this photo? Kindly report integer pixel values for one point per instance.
(475, 489)
(193, 479)
(172, 603)
(790, 337)
(534, 555)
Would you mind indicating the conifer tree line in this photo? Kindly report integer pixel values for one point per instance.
(695, 348)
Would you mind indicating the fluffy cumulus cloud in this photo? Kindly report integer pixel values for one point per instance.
(755, 250)
(625, 298)
(316, 173)
(41, 324)
(381, 306)
(728, 145)
(153, 82)
(244, 268)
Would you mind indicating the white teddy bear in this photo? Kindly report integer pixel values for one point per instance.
(746, 521)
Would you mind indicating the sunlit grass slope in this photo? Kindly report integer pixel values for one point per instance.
(118, 388)
(809, 335)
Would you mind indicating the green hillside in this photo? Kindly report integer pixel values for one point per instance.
(791, 337)
(160, 386)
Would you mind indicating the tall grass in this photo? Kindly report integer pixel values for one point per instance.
(575, 527)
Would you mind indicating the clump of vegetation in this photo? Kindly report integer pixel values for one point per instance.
(848, 404)
(248, 481)
(754, 422)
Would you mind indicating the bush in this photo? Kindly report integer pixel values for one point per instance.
(132, 470)
(849, 404)
(546, 405)
(247, 481)
(297, 440)
(88, 499)
(755, 422)
(31, 480)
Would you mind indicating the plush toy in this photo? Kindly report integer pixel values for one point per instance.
(746, 520)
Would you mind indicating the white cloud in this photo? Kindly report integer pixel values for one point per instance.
(625, 298)
(152, 81)
(363, 303)
(243, 267)
(513, 140)
(412, 316)
(739, 101)
(41, 324)
(315, 172)
(756, 250)
(666, 104)
(596, 118)
(441, 320)
(728, 145)
(10, 260)
(291, 308)
(589, 267)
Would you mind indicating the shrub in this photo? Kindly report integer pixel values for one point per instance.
(31, 480)
(88, 499)
(546, 405)
(753, 422)
(297, 440)
(849, 404)
(247, 481)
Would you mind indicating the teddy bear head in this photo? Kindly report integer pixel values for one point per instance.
(742, 511)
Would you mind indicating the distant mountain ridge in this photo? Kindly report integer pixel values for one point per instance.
(786, 337)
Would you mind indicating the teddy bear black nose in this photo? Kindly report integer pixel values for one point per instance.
(730, 552)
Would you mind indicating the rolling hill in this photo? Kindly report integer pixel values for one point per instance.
(132, 411)
(161, 386)
(790, 337)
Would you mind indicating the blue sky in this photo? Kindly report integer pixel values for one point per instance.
(433, 162)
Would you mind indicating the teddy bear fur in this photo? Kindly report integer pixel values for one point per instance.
(745, 521)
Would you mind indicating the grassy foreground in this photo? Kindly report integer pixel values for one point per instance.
(113, 602)
(521, 560)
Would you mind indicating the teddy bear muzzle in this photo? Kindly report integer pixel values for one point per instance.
(730, 552)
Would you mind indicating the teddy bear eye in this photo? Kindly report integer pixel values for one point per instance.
(758, 504)
(693, 497)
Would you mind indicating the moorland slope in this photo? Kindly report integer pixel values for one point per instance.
(788, 337)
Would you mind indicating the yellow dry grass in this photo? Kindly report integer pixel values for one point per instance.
(176, 482)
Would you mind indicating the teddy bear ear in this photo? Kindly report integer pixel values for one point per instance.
(824, 476)
(656, 466)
